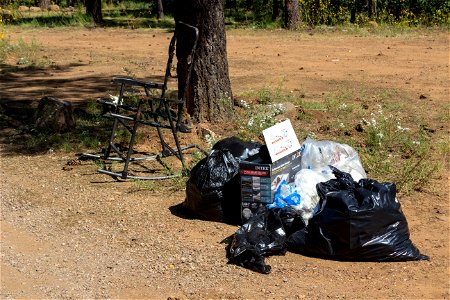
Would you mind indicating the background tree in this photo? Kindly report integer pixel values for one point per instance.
(43, 4)
(275, 9)
(209, 96)
(94, 9)
(73, 2)
(291, 14)
(372, 8)
(160, 9)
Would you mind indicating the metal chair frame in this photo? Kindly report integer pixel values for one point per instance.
(152, 111)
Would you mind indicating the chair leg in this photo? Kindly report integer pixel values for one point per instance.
(114, 128)
(131, 143)
(174, 130)
(111, 140)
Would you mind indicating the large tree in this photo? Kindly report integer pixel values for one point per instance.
(94, 9)
(160, 9)
(291, 14)
(209, 96)
(275, 9)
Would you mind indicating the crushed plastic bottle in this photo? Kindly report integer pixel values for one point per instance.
(305, 185)
(285, 196)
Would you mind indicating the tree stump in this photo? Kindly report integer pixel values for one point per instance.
(54, 115)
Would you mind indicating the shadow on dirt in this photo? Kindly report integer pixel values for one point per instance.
(182, 212)
(35, 82)
(21, 90)
(126, 18)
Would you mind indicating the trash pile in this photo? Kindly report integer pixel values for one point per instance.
(312, 198)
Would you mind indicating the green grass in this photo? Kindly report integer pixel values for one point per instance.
(261, 109)
(92, 131)
(25, 54)
(52, 19)
(398, 153)
(389, 150)
(133, 15)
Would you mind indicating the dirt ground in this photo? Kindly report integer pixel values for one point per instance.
(68, 232)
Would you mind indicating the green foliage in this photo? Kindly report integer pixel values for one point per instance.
(238, 13)
(402, 154)
(25, 54)
(53, 19)
(261, 110)
(327, 12)
(389, 150)
(332, 13)
(257, 118)
(4, 49)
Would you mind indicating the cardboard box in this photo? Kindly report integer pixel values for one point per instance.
(259, 180)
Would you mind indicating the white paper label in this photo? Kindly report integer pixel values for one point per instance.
(281, 140)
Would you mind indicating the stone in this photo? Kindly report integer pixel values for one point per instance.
(53, 7)
(207, 134)
(68, 9)
(23, 8)
(54, 115)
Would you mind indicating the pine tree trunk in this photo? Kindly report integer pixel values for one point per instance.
(160, 9)
(43, 4)
(209, 96)
(291, 14)
(370, 9)
(275, 9)
(94, 8)
(353, 12)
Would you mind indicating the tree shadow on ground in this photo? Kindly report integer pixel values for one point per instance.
(33, 83)
(124, 18)
(22, 88)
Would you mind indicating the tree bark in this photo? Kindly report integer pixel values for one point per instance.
(370, 9)
(94, 9)
(43, 4)
(275, 9)
(209, 98)
(353, 12)
(291, 14)
(159, 7)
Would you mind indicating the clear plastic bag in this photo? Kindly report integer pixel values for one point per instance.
(318, 154)
(305, 185)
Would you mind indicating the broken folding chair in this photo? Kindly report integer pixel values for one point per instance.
(145, 104)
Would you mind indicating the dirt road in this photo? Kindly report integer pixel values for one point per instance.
(69, 232)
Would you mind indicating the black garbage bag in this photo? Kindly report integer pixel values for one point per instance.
(263, 235)
(291, 218)
(213, 190)
(240, 149)
(356, 221)
(207, 184)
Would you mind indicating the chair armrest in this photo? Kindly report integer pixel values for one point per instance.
(135, 82)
